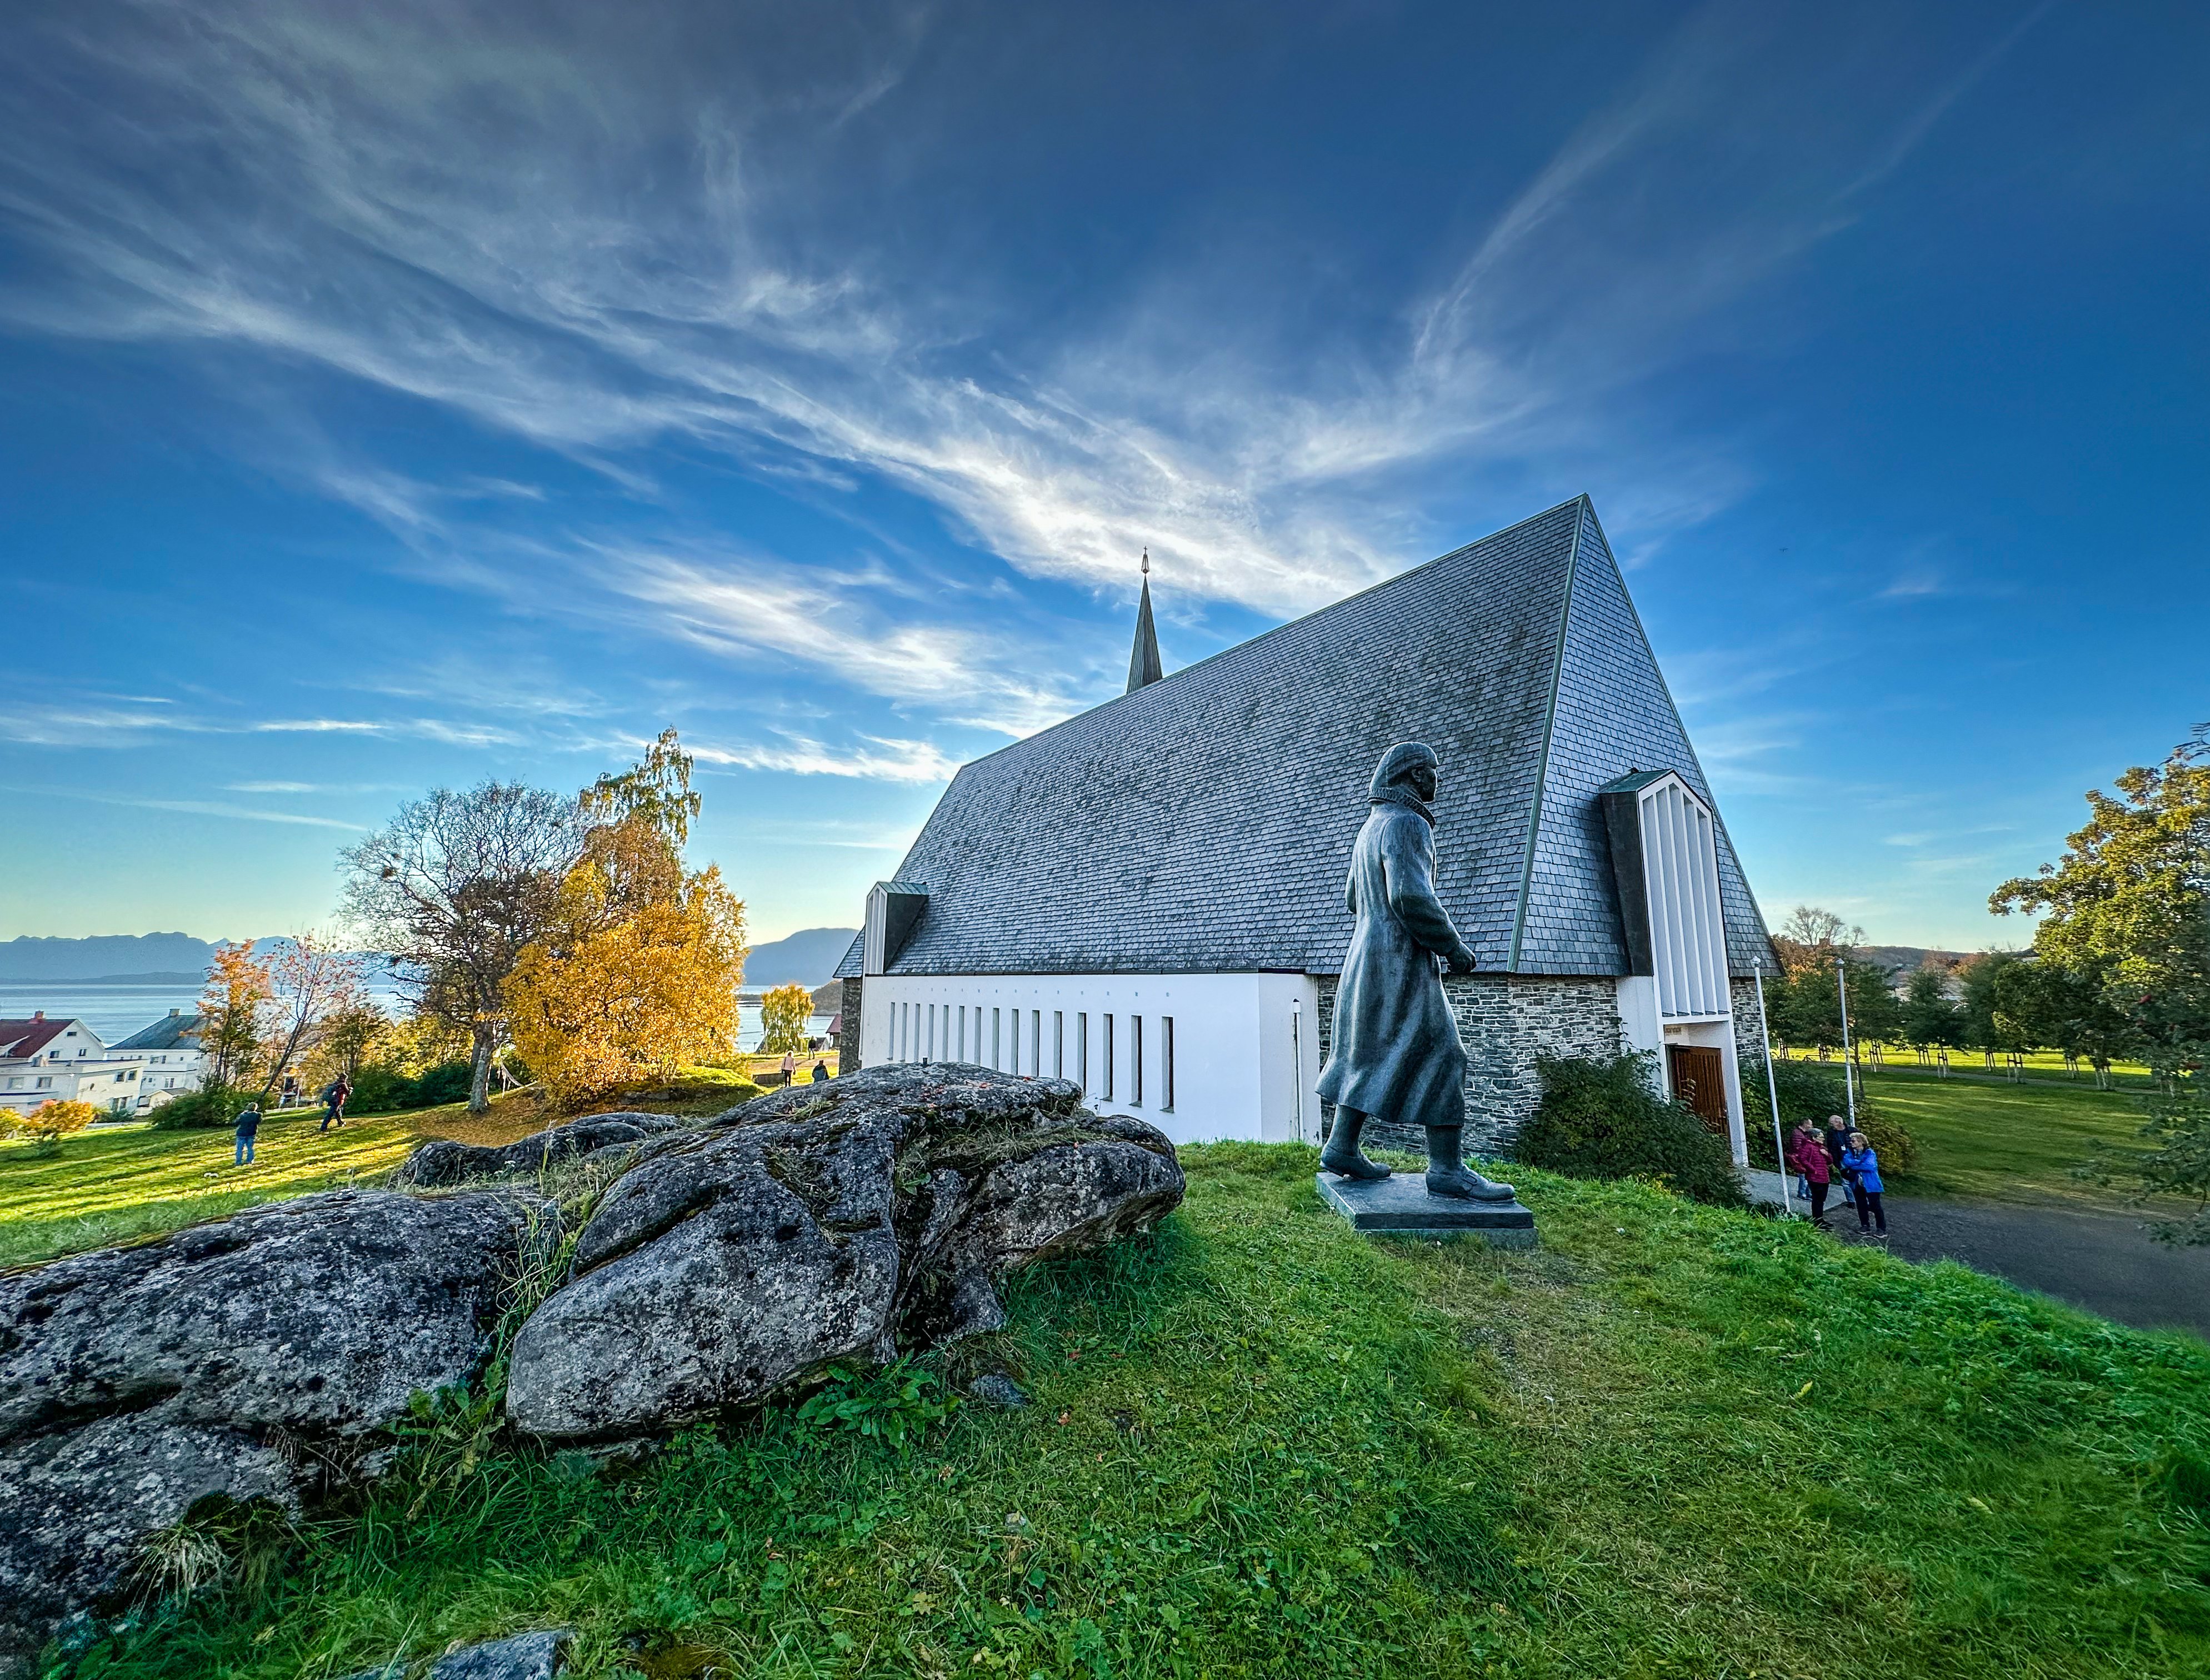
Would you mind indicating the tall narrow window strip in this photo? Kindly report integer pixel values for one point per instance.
(963, 1032)
(1107, 1066)
(1035, 1041)
(994, 1062)
(1166, 1063)
(1059, 1043)
(1136, 1061)
(1082, 1051)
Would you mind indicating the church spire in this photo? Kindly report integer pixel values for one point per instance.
(1143, 667)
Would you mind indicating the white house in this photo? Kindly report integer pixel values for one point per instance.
(1147, 898)
(63, 1061)
(173, 1062)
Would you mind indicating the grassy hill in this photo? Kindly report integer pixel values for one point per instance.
(1673, 1442)
(115, 1183)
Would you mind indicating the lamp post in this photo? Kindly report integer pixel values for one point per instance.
(1772, 1088)
(1849, 1080)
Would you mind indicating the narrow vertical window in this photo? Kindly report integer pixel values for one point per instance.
(1136, 1061)
(1082, 1051)
(1107, 1048)
(995, 1058)
(1059, 1043)
(1035, 1041)
(963, 1032)
(928, 1051)
(1166, 1062)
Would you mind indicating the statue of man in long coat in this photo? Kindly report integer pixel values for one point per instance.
(1395, 1052)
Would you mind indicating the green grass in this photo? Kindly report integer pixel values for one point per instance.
(2019, 1142)
(114, 1184)
(1674, 1442)
(2038, 1065)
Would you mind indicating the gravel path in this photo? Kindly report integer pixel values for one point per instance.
(2104, 1262)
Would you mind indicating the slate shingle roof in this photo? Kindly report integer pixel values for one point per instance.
(166, 1034)
(1203, 823)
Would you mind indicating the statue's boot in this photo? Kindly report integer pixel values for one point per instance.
(1342, 1156)
(1449, 1175)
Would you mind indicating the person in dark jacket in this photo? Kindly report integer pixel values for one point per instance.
(1811, 1162)
(820, 1072)
(249, 1124)
(1861, 1161)
(1838, 1140)
(334, 1100)
(1396, 1050)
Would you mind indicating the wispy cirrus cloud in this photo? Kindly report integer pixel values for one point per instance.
(873, 758)
(61, 724)
(435, 201)
(197, 808)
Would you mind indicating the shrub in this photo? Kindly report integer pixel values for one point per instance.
(207, 1108)
(1811, 1091)
(448, 1082)
(378, 1090)
(1602, 1118)
(49, 1122)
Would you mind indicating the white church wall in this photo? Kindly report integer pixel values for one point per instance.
(1245, 1050)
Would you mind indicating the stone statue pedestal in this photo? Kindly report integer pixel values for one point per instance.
(1399, 1206)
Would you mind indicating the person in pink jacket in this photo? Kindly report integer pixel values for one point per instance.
(1818, 1172)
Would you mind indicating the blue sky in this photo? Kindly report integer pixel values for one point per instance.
(399, 394)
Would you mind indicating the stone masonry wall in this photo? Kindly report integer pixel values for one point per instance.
(1749, 1036)
(848, 1035)
(1504, 1021)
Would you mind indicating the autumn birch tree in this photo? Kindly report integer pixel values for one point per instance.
(455, 888)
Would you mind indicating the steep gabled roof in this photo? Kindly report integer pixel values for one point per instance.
(1203, 823)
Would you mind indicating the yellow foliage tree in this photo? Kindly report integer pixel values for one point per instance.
(641, 977)
(647, 994)
(784, 1014)
(49, 1122)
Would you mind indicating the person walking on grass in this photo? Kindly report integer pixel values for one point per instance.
(334, 1100)
(1861, 1162)
(1838, 1140)
(248, 1123)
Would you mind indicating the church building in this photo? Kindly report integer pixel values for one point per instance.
(1147, 898)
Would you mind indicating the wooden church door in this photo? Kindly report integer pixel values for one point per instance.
(1699, 1081)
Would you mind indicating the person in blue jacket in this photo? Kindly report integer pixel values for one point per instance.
(1861, 1161)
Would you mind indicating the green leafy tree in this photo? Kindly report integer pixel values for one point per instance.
(1930, 1015)
(1809, 1007)
(2046, 1004)
(1978, 978)
(2129, 905)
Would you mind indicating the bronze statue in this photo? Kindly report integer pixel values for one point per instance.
(1395, 1053)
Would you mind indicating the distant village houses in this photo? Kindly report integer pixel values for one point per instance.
(63, 1059)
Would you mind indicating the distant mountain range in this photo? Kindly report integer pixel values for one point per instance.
(150, 959)
(178, 959)
(809, 958)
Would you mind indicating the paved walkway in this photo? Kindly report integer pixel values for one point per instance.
(2104, 1262)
